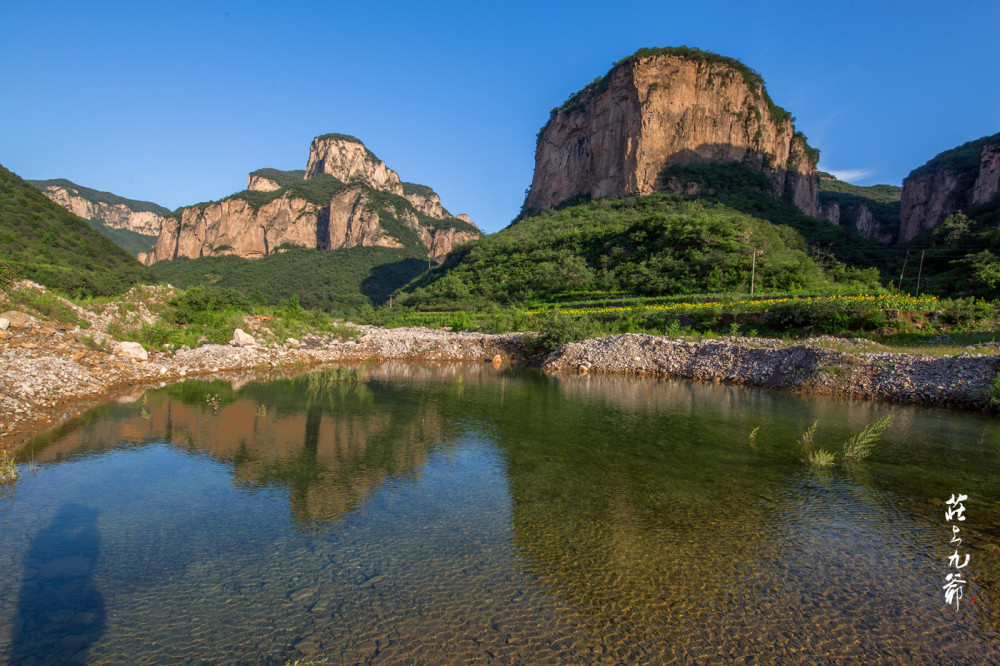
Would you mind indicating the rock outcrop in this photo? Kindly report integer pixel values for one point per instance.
(346, 159)
(954, 180)
(346, 198)
(988, 183)
(664, 107)
(859, 215)
(142, 217)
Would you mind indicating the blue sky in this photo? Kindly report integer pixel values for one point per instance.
(176, 102)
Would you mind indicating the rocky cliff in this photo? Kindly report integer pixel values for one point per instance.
(955, 179)
(345, 198)
(663, 107)
(116, 212)
(872, 210)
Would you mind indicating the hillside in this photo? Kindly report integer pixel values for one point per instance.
(661, 108)
(654, 245)
(954, 180)
(873, 210)
(341, 281)
(56, 248)
(131, 224)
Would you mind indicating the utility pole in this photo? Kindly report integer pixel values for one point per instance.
(920, 270)
(753, 269)
(900, 285)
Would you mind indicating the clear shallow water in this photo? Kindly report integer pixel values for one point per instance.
(435, 515)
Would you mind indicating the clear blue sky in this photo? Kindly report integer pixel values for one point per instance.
(175, 102)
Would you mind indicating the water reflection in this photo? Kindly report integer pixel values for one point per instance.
(60, 610)
(647, 523)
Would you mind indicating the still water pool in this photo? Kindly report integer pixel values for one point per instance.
(409, 514)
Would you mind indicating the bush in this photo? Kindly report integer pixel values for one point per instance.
(556, 330)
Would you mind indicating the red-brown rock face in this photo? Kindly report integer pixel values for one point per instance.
(660, 110)
(366, 200)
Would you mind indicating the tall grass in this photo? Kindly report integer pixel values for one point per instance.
(861, 445)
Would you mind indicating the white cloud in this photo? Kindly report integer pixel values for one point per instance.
(850, 175)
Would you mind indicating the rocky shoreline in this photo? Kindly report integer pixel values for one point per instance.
(50, 372)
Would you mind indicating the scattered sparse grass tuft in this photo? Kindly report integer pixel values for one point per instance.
(821, 458)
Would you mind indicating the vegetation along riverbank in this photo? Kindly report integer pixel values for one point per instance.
(60, 357)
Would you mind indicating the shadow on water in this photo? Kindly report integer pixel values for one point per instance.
(60, 611)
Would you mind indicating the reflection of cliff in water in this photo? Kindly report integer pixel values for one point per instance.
(325, 438)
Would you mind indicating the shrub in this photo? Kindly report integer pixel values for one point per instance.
(556, 330)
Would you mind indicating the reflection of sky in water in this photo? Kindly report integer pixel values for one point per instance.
(462, 513)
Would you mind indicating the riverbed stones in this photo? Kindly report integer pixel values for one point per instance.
(131, 350)
(242, 339)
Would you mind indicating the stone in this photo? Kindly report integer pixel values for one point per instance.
(4, 323)
(242, 339)
(292, 342)
(17, 319)
(131, 350)
(497, 361)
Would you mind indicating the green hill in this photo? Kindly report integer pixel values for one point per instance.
(338, 281)
(661, 244)
(130, 241)
(50, 245)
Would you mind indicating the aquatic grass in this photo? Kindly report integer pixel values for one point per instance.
(8, 468)
(807, 437)
(753, 436)
(821, 458)
(861, 445)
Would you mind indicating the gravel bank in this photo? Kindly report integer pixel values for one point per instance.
(946, 381)
(49, 372)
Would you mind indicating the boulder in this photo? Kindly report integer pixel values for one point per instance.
(17, 319)
(131, 350)
(242, 339)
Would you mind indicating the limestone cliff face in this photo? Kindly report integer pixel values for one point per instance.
(861, 217)
(233, 226)
(988, 183)
(256, 183)
(114, 215)
(954, 180)
(339, 208)
(346, 159)
(653, 111)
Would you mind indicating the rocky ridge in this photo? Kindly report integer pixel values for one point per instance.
(142, 217)
(664, 107)
(954, 180)
(346, 197)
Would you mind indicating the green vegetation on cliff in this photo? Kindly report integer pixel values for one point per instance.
(878, 193)
(48, 244)
(280, 177)
(963, 160)
(753, 80)
(882, 200)
(334, 280)
(131, 241)
(391, 209)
